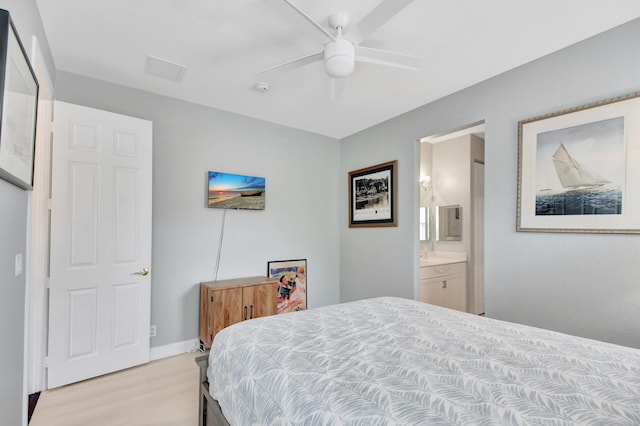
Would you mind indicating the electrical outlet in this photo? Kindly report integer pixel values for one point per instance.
(152, 331)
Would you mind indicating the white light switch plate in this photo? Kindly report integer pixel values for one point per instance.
(18, 264)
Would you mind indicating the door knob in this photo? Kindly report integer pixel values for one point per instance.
(144, 272)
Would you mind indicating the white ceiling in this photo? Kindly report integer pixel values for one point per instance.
(224, 43)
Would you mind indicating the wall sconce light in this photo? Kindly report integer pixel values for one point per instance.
(425, 182)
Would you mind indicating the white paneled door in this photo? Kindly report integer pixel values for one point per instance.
(99, 299)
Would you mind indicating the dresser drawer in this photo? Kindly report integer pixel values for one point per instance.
(442, 270)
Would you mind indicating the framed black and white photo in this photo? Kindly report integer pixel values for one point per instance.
(19, 103)
(372, 196)
(579, 169)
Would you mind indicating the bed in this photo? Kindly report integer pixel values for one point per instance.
(394, 361)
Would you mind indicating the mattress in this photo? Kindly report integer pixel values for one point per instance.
(393, 361)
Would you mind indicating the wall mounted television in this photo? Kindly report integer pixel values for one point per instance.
(231, 191)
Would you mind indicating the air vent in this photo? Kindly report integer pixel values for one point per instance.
(164, 69)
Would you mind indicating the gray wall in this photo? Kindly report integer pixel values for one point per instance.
(382, 261)
(13, 230)
(14, 204)
(582, 284)
(300, 219)
(585, 284)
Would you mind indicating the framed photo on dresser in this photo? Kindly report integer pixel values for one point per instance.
(292, 283)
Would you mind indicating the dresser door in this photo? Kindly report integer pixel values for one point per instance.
(227, 308)
(261, 300)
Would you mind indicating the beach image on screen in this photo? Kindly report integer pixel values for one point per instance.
(232, 191)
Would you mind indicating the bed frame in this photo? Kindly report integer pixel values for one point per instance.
(209, 412)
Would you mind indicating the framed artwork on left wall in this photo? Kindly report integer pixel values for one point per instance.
(19, 103)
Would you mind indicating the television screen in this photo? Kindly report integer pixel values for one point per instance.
(229, 191)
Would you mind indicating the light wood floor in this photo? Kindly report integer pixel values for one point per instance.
(161, 393)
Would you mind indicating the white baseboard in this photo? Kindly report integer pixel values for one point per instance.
(173, 349)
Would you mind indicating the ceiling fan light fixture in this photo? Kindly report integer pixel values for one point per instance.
(339, 58)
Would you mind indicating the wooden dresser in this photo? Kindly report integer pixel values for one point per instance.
(226, 302)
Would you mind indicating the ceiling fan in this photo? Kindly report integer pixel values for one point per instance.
(338, 53)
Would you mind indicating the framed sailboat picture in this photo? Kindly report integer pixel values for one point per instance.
(579, 169)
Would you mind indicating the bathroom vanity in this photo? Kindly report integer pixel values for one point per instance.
(443, 280)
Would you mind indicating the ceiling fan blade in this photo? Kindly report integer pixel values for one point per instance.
(337, 87)
(296, 63)
(386, 10)
(388, 58)
(291, 12)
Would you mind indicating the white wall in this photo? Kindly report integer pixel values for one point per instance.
(300, 219)
(426, 195)
(451, 186)
(584, 284)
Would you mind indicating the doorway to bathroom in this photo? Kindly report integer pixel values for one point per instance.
(452, 178)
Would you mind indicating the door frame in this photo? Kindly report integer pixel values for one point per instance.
(477, 128)
(37, 259)
(477, 193)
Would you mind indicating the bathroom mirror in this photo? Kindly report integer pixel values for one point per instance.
(449, 223)
(424, 223)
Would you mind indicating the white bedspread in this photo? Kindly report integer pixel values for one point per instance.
(392, 361)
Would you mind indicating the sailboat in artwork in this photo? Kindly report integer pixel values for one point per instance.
(574, 175)
(582, 192)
